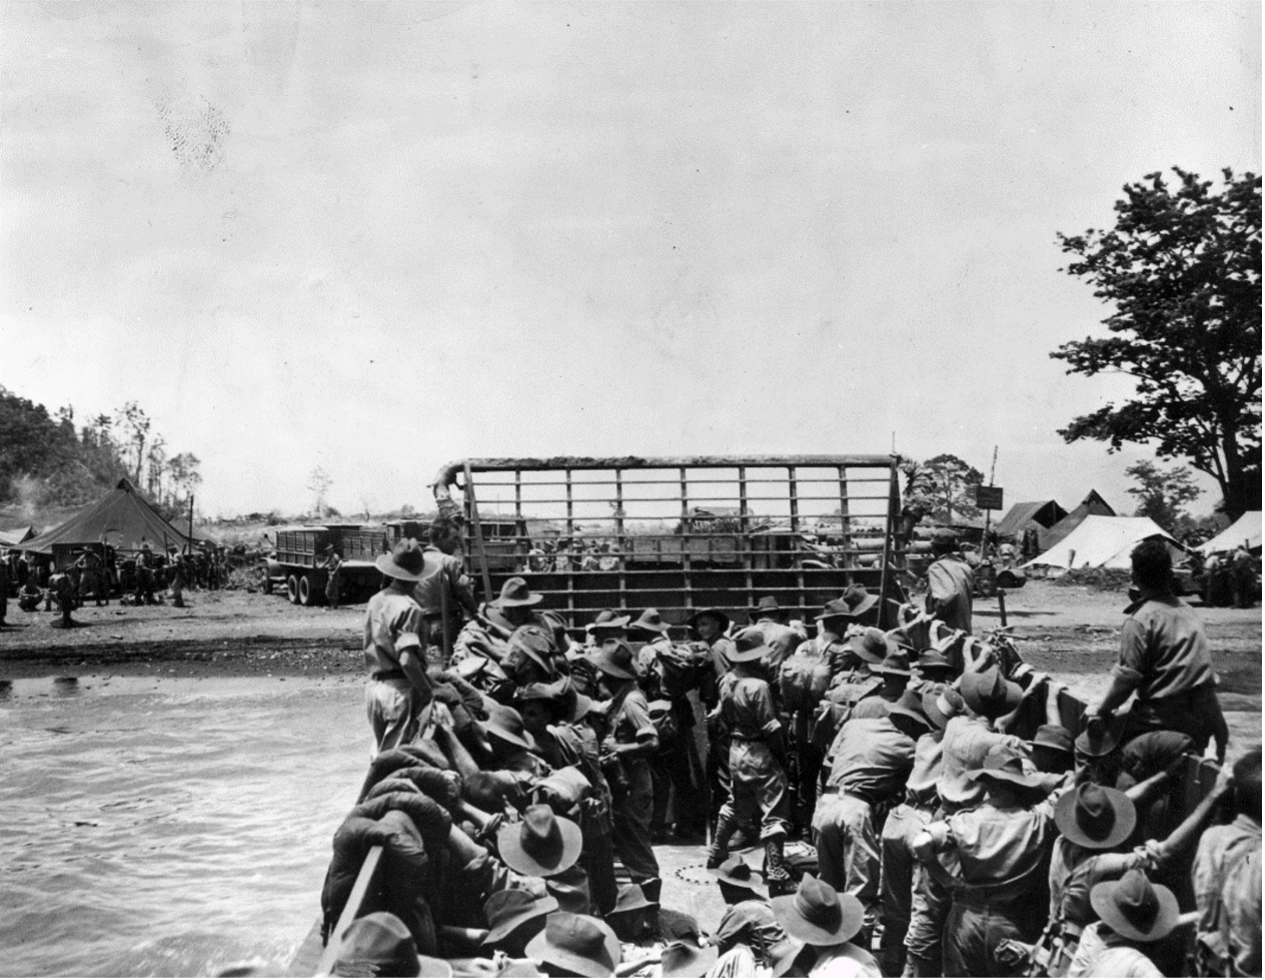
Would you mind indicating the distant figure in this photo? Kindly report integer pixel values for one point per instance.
(177, 580)
(4, 591)
(1243, 573)
(333, 566)
(29, 595)
(949, 582)
(145, 576)
(61, 589)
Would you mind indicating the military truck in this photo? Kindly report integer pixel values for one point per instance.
(302, 550)
(683, 533)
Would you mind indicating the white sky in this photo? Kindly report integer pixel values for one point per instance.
(379, 237)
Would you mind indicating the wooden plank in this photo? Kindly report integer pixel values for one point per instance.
(356, 902)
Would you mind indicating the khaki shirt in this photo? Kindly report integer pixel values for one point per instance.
(393, 622)
(1163, 648)
(1227, 896)
(429, 592)
(999, 847)
(871, 758)
(781, 641)
(949, 584)
(746, 704)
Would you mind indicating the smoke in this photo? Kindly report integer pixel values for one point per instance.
(28, 492)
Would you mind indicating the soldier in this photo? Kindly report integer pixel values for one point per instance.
(757, 760)
(333, 566)
(949, 582)
(630, 743)
(770, 619)
(145, 576)
(4, 592)
(176, 585)
(450, 593)
(1134, 916)
(61, 589)
(398, 690)
(1243, 573)
(30, 595)
(708, 628)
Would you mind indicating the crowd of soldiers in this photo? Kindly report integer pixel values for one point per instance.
(873, 803)
(96, 573)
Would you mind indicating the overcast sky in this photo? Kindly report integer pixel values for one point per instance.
(379, 237)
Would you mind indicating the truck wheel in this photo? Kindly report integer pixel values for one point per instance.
(307, 594)
(292, 589)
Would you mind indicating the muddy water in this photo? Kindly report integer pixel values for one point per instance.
(168, 828)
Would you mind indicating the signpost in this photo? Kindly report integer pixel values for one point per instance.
(988, 498)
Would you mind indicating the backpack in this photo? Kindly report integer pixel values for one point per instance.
(804, 678)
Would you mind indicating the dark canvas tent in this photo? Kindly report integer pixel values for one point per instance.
(1092, 504)
(1045, 513)
(17, 535)
(122, 519)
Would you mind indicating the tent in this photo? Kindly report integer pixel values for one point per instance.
(1103, 542)
(1045, 513)
(122, 518)
(16, 536)
(1246, 528)
(1093, 504)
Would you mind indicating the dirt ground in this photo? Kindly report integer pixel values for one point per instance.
(1069, 631)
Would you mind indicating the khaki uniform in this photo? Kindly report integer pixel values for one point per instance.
(393, 622)
(869, 761)
(633, 793)
(758, 780)
(949, 584)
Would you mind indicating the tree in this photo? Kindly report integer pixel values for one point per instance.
(185, 477)
(941, 487)
(1182, 268)
(1163, 494)
(319, 483)
(136, 425)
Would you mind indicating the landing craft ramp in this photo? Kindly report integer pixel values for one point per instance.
(680, 533)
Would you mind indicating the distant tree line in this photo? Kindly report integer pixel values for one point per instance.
(45, 460)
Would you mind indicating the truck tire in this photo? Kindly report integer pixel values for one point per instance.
(292, 589)
(308, 595)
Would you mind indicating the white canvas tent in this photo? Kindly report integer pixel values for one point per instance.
(1103, 542)
(1246, 528)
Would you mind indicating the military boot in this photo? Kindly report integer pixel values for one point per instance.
(775, 872)
(717, 854)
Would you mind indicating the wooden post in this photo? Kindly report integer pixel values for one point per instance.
(478, 535)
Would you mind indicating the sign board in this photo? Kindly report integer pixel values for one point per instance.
(988, 498)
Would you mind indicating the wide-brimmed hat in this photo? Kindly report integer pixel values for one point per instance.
(873, 645)
(768, 604)
(1096, 817)
(607, 619)
(1053, 737)
(933, 659)
(380, 945)
(858, 599)
(509, 908)
(945, 537)
(735, 871)
(1005, 764)
(516, 593)
(943, 705)
(534, 642)
(895, 663)
(686, 960)
(616, 658)
(630, 898)
(649, 620)
(407, 562)
(717, 614)
(506, 723)
(1135, 908)
(748, 645)
(580, 944)
(543, 844)
(909, 705)
(560, 694)
(817, 914)
(1101, 735)
(988, 693)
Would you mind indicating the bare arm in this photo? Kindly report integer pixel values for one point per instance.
(411, 662)
(1142, 792)
(1116, 695)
